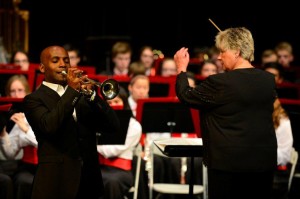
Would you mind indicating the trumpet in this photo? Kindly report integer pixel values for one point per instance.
(109, 88)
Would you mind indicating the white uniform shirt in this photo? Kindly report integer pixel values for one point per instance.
(284, 141)
(13, 142)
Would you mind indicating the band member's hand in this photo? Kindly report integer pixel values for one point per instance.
(19, 119)
(182, 59)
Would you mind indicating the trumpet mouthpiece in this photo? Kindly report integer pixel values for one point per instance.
(64, 72)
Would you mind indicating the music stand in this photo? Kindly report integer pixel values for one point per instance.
(168, 114)
(107, 138)
(164, 114)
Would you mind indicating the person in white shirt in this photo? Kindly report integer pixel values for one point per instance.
(20, 138)
(116, 160)
(283, 130)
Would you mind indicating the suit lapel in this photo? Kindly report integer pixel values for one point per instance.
(48, 96)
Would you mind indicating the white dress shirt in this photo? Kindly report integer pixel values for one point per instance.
(13, 142)
(284, 141)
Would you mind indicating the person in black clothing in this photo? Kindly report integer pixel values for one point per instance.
(239, 141)
(65, 122)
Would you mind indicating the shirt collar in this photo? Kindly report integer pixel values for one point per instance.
(53, 86)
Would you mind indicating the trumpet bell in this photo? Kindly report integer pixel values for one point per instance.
(109, 89)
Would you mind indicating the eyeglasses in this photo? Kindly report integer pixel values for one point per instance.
(21, 61)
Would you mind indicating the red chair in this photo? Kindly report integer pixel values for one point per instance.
(5, 107)
(288, 90)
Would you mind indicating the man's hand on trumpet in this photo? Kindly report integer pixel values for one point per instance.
(79, 82)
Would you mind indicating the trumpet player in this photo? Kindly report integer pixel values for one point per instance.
(65, 123)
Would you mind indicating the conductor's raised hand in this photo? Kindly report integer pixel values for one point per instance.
(182, 59)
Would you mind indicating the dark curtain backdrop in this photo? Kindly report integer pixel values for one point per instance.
(167, 26)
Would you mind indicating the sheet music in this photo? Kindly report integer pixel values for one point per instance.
(161, 144)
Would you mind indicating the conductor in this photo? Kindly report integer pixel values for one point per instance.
(236, 108)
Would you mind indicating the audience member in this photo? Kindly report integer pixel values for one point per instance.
(136, 68)
(213, 54)
(17, 86)
(146, 57)
(268, 55)
(201, 53)
(116, 160)
(21, 58)
(139, 87)
(121, 57)
(276, 69)
(208, 67)
(6, 182)
(20, 137)
(284, 51)
(165, 170)
(74, 54)
(168, 67)
(284, 135)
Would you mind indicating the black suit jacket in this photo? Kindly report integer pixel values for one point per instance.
(236, 118)
(67, 150)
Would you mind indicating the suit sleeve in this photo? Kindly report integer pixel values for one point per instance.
(48, 115)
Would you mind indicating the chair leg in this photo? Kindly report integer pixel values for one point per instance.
(158, 195)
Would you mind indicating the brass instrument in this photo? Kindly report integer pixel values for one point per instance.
(109, 89)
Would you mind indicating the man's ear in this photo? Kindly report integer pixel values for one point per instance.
(42, 68)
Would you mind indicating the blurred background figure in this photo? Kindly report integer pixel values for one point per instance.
(138, 88)
(74, 54)
(121, 57)
(168, 67)
(276, 69)
(208, 67)
(19, 137)
(136, 68)
(213, 53)
(284, 51)
(4, 56)
(21, 58)
(201, 53)
(284, 135)
(6, 182)
(146, 57)
(17, 86)
(268, 55)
